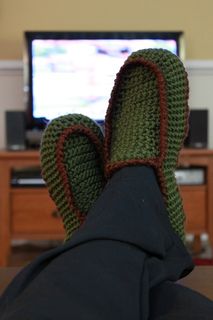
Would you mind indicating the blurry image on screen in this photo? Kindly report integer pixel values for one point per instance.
(77, 76)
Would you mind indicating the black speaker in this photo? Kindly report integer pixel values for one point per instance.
(198, 129)
(15, 130)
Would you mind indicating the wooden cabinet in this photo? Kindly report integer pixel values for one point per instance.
(33, 215)
(195, 206)
(25, 213)
(29, 213)
(198, 199)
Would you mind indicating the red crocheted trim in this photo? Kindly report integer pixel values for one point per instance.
(187, 112)
(156, 162)
(79, 129)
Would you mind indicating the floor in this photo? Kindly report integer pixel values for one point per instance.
(25, 252)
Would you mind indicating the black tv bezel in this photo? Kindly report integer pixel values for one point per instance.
(29, 36)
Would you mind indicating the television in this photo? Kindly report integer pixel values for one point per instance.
(73, 72)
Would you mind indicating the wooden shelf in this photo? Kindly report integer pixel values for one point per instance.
(29, 213)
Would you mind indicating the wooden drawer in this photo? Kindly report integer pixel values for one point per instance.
(195, 206)
(33, 214)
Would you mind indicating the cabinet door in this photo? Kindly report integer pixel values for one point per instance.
(195, 206)
(33, 214)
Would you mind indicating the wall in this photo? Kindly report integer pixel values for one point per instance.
(193, 17)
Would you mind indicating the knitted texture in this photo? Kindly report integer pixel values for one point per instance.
(72, 166)
(147, 121)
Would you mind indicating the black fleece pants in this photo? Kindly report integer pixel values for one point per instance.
(121, 264)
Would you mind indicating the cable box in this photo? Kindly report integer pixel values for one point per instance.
(27, 177)
(191, 176)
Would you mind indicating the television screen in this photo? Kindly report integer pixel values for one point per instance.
(74, 72)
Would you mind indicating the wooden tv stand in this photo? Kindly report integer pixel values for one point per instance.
(29, 213)
(25, 213)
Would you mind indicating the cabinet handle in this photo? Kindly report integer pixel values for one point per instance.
(56, 214)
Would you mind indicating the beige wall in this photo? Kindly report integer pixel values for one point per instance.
(193, 17)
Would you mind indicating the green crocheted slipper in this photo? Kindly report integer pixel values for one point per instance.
(147, 121)
(72, 166)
